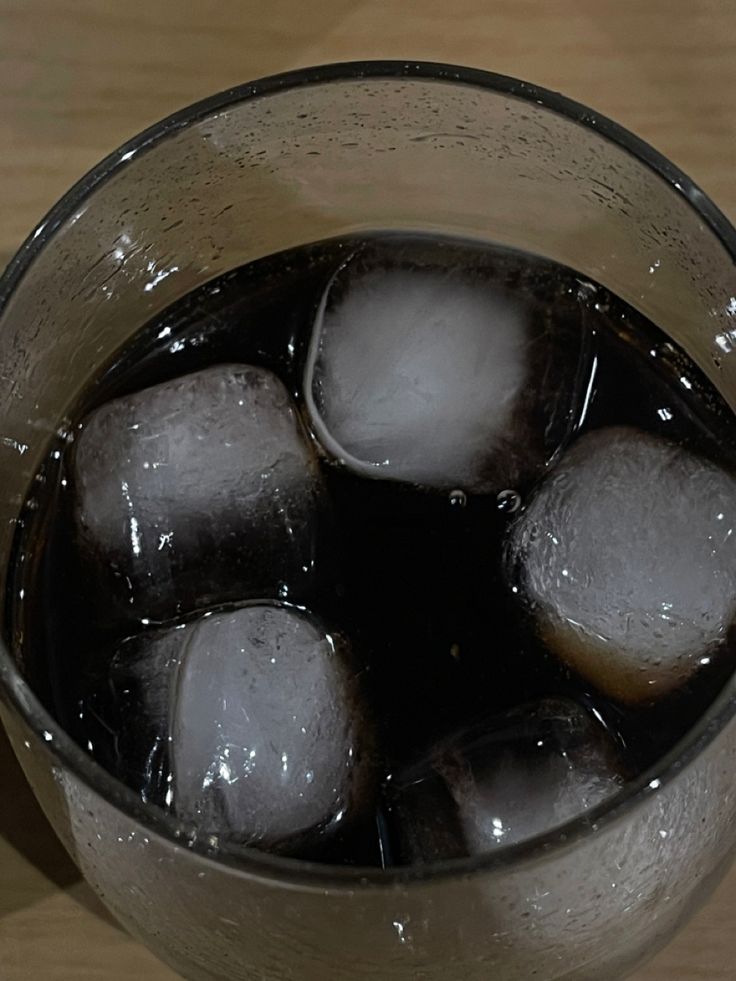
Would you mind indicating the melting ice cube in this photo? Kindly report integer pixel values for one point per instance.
(269, 738)
(626, 556)
(439, 376)
(194, 492)
(506, 781)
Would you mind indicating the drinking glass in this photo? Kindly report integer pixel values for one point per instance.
(272, 165)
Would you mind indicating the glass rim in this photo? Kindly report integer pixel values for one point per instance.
(247, 860)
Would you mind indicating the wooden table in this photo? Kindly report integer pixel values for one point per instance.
(77, 77)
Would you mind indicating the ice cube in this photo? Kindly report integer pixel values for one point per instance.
(124, 713)
(269, 739)
(510, 779)
(553, 763)
(438, 376)
(197, 491)
(626, 556)
(424, 818)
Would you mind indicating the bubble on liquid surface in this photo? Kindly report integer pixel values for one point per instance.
(626, 558)
(508, 501)
(439, 376)
(458, 499)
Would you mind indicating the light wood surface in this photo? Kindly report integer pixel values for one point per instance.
(78, 77)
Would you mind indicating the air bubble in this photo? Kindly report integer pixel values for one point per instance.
(508, 501)
(458, 499)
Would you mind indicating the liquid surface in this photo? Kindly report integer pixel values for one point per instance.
(378, 451)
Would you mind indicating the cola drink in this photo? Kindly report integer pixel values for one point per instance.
(388, 549)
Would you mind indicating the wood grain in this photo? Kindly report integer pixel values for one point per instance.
(78, 77)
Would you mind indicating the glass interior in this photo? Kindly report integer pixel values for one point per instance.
(327, 153)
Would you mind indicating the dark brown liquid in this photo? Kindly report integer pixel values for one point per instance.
(414, 577)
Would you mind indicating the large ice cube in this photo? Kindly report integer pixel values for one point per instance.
(507, 781)
(195, 492)
(438, 375)
(626, 556)
(269, 738)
